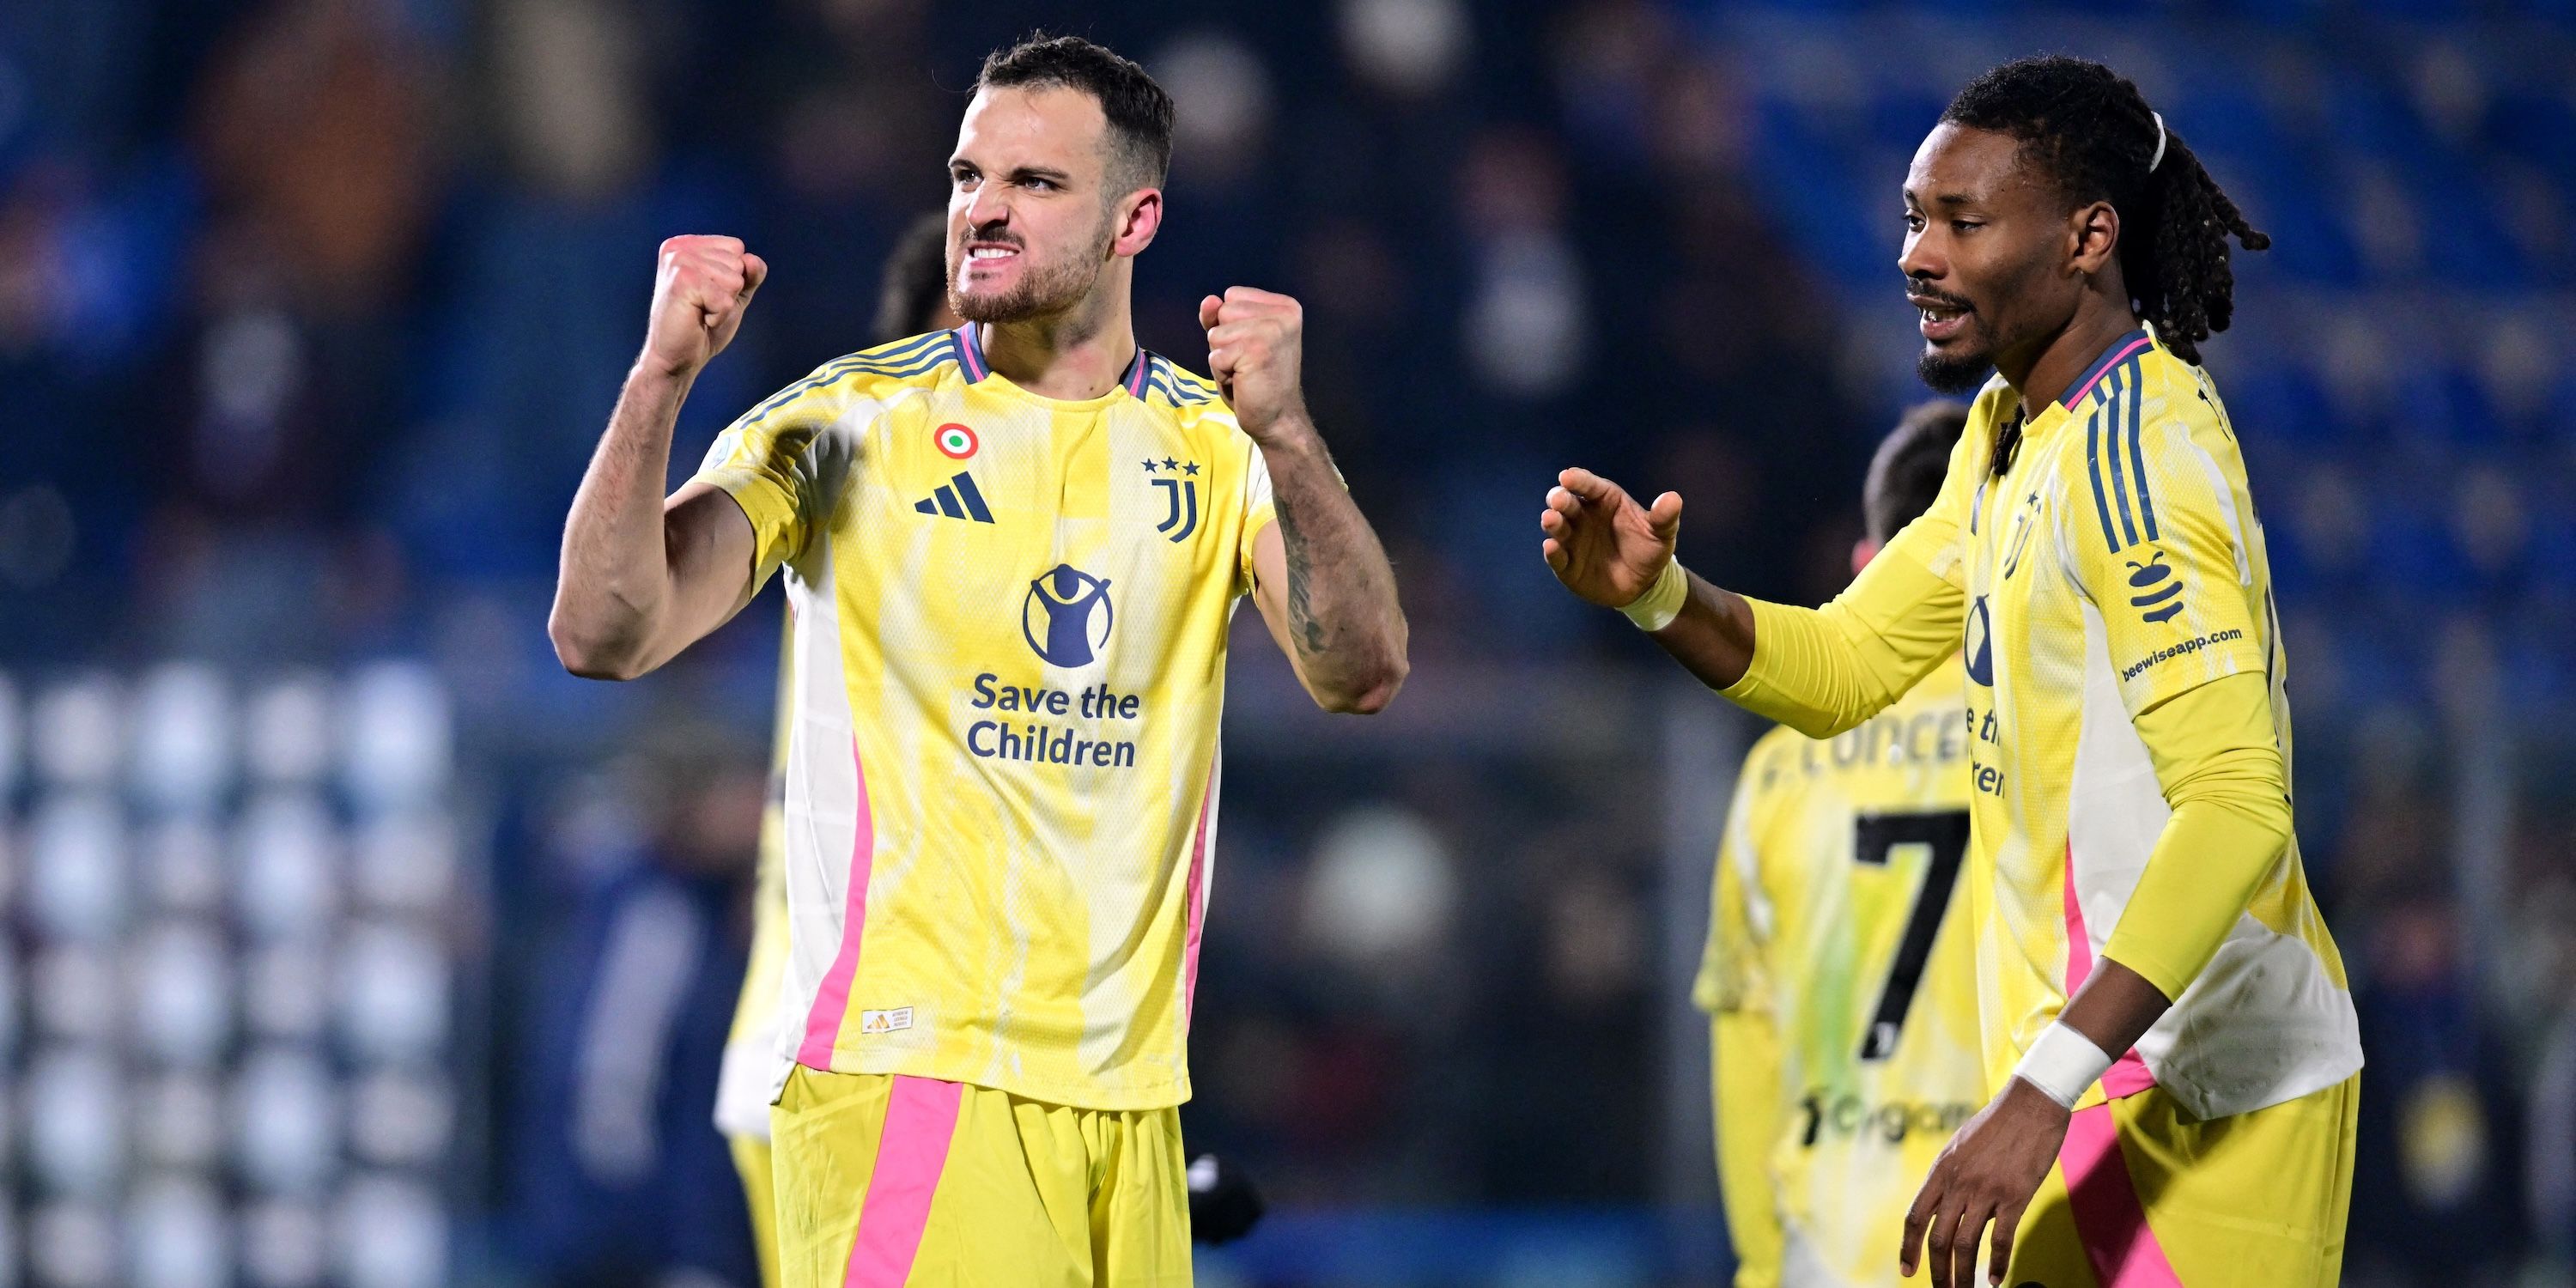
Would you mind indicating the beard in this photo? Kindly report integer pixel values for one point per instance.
(1043, 289)
(1953, 373)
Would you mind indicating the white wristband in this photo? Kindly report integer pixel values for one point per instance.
(2063, 1064)
(1662, 602)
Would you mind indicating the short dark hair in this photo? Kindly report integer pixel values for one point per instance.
(1905, 474)
(1140, 113)
(916, 280)
(2090, 131)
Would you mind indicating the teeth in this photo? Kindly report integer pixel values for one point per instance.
(989, 252)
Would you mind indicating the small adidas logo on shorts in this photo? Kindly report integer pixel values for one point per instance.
(885, 1021)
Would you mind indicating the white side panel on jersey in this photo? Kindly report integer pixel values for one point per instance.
(2264, 1022)
(822, 798)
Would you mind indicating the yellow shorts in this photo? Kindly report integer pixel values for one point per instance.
(884, 1181)
(751, 1158)
(2142, 1197)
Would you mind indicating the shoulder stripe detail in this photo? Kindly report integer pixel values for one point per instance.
(910, 367)
(2137, 453)
(2093, 464)
(907, 348)
(2121, 350)
(1173, 384)
(936, 348)
(2119, 400)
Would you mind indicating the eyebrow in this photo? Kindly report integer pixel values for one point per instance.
(1943, 199)
(1019, 173)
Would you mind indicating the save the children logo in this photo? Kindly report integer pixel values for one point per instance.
(1067, 616)
(1979, 644)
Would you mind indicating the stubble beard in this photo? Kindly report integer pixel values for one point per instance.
(1043, 291)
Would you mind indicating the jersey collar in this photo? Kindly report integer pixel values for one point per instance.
(2039, 421)
(2121, 350)
(971, 350)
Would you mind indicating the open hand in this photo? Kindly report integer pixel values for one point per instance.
(1989, 1172)
(1602, 544)
(699, 294)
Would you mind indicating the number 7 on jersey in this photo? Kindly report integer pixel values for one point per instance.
(1874, 838)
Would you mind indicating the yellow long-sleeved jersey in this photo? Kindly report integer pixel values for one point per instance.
(2130, 730)
(1841, 988)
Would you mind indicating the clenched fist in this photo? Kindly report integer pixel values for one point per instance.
(1256, 343)
(699, 295)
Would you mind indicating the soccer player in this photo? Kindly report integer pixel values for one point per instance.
(1842, 993)
(1012, 551)
(2167, 1026)
(912, 298)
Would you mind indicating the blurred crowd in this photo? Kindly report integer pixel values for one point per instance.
(311, 311)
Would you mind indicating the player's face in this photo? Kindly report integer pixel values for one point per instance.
(1029, 218)
(1985, 243)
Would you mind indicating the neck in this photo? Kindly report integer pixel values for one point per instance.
(2041, 372)
(1077, 354)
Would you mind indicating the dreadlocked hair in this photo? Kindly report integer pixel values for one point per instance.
(2094, 134)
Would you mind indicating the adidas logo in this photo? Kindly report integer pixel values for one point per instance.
(957, 500)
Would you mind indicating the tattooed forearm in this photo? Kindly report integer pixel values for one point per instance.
(1338, 592)
(1302, 626)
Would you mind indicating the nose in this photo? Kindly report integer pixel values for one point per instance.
(1921, 258)
(989, 206)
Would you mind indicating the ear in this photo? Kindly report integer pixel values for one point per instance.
(2093, 233)
(1139, 217)
(1863, 551)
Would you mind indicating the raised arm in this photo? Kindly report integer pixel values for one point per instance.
(643, 577)
(1819, 671)
(1320, 577)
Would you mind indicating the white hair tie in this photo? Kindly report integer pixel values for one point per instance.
(2159, 158)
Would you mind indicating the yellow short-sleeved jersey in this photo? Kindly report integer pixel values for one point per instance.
(1009, 664)
(1831, 934)
(2116, 564)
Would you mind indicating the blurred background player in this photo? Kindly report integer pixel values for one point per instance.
(615, 1163)
(2095, 558)
(912, 298)
(1841, 991)
(995, 890)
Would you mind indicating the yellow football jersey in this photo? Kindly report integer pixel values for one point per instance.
(1844, 989)
(1010, 632)
(2116, 564)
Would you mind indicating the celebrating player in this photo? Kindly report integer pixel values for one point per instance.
(1012, 550)
(2165, 1019)
(1844, 1002)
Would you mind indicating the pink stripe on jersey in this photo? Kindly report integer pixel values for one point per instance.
(2128, 1075)
(912, 1151)
(2093, 376)
(1197, 904)
(2109, 1220)
(832, 999)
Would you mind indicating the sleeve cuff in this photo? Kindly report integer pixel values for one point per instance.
(771, 512)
